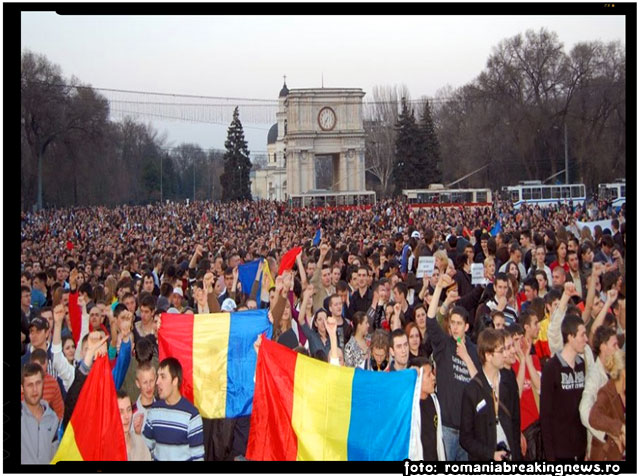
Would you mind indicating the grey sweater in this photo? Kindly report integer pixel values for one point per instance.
(39, 439)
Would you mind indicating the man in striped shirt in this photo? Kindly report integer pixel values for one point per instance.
(173, 428)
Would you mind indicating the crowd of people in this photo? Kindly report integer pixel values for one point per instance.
(525, 364)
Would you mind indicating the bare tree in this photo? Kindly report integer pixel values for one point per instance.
(381, 116)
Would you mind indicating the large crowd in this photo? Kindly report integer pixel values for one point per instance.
(526, 363)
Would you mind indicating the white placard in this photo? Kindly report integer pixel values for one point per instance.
(477, 273)
(426, 265)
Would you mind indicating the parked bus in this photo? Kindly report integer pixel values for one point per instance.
(614, 192)
(535, 193)
(437, 195)
(325, 198)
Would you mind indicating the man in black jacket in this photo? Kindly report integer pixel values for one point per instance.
(456, 362)
(563, 376)
(490, 415)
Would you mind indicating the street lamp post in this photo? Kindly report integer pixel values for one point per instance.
(566, 156)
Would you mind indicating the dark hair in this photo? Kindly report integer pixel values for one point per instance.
(148, 301)
(607, 241)
(118, 309)
(342, 286)
(601, 336)
(39, 355)
(314, 324)
(396, 333)
(144, 349)
(174, 367)
(401, 288)
(358, 318)
(502, 277)
(532, 283)
(570, 326)
(31, 369)
(24, 289)
(526, 315)
(121, 393)
(43, 310)
(301, 350)
(86, 288)
(462, 312)
(513, 329)
(551, 296)
(166, 289)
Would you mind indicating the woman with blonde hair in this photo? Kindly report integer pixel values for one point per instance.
(489, 269)
(110, 289)
(608, 413)
(442, 260)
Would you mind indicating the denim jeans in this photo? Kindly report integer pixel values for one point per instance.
(452, 448)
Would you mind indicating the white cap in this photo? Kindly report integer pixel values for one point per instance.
(228, 305)
(415, 234)
(178, 291)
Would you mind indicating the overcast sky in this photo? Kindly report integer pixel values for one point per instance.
(245, 57)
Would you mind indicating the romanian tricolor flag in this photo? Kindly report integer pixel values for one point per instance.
(289, 259)
(94, 432)
(308, 410)
(217, 357)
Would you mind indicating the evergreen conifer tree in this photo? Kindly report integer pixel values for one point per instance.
(431, 146)
(408, 153)
(237, 165)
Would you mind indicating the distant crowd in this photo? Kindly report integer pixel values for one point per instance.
(526, 363)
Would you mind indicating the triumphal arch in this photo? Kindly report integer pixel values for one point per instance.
(324, 146)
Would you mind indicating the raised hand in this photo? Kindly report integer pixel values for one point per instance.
(279, 284)
(570, 289)
(445, 280)
(256, 344)
(125, 326)
(452, 296)
(96, 345)
(309, 292)
(612, 295)
(331, 325)
(58, 315)
(287, 281)
(208, 282)
(73, 278)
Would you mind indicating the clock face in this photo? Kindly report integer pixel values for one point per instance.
(326, 119)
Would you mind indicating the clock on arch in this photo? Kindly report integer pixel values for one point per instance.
(327, 119)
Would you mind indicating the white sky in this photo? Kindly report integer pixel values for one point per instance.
(246, 56)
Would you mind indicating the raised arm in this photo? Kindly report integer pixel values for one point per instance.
(301, 270)
(591, 290)
(332, 327)
(256, 283)
(435, 333)
(124, 328)
(554, 333)
(61, 365)
(212, 298)
(234, 287)
(612, 295)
